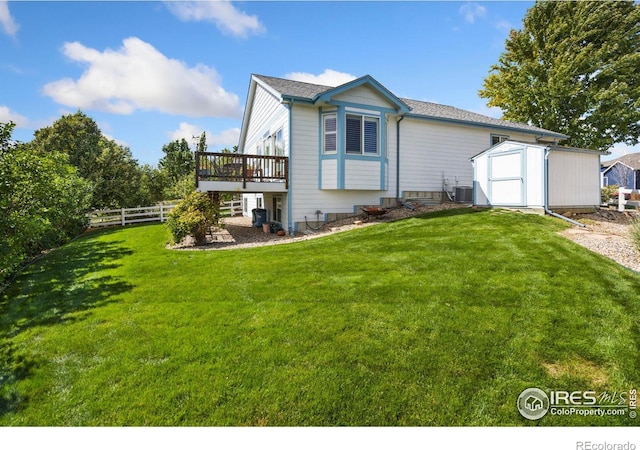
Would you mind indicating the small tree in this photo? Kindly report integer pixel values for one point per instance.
(194, 216)
(607, 192)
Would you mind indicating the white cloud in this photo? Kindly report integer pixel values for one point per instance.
(327, 78)
(137, 76)
(9, 25)
(504, 25)
(191, 133)
(472, 11)
(117, 141)
(221, 12)
(6, 115)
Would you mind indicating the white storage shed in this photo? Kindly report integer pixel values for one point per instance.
(524, 175)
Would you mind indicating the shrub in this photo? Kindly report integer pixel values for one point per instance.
(607, 192)
(43, 202)
(193, 216)
(635, 232)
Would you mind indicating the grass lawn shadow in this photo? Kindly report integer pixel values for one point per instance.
(53, 291)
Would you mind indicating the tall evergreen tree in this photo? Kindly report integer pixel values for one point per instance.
(573, 68)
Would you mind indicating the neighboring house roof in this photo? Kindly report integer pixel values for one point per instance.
(631, 160)
(288, 89)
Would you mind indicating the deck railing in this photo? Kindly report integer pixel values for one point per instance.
(241, 168)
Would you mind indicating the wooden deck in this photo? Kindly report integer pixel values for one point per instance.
(233, 172)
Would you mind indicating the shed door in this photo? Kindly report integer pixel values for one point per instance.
(506, 179)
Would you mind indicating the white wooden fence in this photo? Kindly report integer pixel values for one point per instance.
(157, 213)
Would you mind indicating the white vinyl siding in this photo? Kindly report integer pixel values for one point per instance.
(363, 175)
(432, 151)
(329, 174)
(364, 95)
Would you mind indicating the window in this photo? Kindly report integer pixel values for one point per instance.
(278, 143)
(330, 131)
(497, 138)
(361, 135)
(266, 145)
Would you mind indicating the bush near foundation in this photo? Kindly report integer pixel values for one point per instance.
(194, 216)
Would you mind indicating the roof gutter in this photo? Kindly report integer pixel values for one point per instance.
(546, 192)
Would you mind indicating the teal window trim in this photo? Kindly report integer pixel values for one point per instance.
(340, 155)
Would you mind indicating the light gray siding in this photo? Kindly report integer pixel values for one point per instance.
(433, 152)
(364, 95)
(574, 179)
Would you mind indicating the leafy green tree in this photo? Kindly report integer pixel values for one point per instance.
(43, 201)
(573, 68)
(178, 161)
(76, 135)
(179, 189)
(117, 178)
(153, 184)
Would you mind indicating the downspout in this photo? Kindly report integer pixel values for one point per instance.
(398, 158)
(289, 104)
(546, 192)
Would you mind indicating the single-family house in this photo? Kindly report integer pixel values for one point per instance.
(623, 171)
(310, 153)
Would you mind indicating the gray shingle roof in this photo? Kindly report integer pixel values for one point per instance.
(632, 160)
(437, 111)
(290, 88)
(308, 91)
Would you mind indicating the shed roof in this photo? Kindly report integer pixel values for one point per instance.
(557, 148)
(289, 89)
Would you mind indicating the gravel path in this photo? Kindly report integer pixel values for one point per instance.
(609, 234)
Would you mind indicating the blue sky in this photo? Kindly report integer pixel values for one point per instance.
(149, 72)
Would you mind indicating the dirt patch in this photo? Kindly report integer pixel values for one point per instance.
(578, 368)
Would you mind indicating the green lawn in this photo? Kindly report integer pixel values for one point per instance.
(437, 320)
